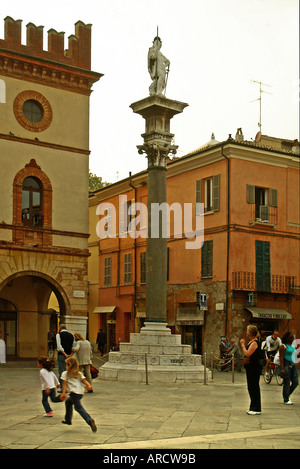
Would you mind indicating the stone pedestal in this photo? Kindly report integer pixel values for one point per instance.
(155, 356)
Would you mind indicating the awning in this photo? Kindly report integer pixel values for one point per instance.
(267, 313)
(141, 314)
(104, 309)
(190, 317)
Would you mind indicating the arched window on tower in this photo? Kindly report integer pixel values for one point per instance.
(32, 211)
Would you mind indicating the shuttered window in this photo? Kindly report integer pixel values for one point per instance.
(198, 196)
(216, 192)
(128, 268)
(273, 198)
(263, 199)
(127, 211)
(107, 271)
(208, 192)
(263, 266)
(207, 259)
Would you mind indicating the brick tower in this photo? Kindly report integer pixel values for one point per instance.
(44, 169)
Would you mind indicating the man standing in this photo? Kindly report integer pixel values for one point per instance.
(101, 341)
(64, 344)
(273, 342)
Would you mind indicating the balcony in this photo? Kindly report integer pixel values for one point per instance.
(264, 215)
(246, 281)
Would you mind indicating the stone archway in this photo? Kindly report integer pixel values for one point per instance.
(30, 292)
(8, 326)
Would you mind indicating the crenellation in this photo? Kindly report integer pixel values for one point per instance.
(56, 44)
(13, 30)
(77, 55)
(34, 36)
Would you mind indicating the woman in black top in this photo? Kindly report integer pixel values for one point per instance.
(253, 369)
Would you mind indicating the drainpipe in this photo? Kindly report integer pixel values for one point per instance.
(135, 259)
(228, 234)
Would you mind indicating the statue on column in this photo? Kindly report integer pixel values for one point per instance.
(158, 67)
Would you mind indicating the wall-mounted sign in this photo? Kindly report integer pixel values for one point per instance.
(78, 294)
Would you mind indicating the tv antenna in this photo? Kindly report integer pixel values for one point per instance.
(259, 99)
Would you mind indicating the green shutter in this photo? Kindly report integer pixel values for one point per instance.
(273, 198)
(198, 195)
(216, 192)
(207, 259)
(263, 266)
(250, 194)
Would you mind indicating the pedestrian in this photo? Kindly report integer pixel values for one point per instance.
(75, 381)
(101, 341)
(64, 344)
(49, 383)
(253, 369)
(288, 370)
(273, 342)
(83, 350)
(223, 347)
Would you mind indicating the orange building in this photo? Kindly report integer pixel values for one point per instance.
(247, 270)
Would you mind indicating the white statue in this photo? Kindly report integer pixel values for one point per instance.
(158, 67)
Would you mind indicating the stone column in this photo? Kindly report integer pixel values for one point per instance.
(157, 112)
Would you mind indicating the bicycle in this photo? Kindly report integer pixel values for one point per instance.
(274, 370)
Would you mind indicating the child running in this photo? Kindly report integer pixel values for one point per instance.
(49, 382)
(74, 381)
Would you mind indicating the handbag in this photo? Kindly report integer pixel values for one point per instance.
(94, 372)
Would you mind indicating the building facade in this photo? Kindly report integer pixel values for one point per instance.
(247, 270)
(44, 154)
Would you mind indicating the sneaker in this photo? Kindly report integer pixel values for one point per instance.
(253, 412)
(49, 414)
(67, 423)
(289, 402)
(93, 425)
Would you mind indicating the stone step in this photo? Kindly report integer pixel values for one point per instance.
(155, 359)
(155, 374)
(174, 349)
(155, 339)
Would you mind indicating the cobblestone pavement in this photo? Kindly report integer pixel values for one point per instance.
(135, 416)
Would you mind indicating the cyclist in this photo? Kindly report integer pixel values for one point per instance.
(273, 342)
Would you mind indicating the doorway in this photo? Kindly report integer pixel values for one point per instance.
(192, 335)
(8, 332)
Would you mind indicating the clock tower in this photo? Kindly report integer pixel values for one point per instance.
(44, 171)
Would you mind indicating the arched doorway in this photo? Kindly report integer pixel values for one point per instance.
(24, 306)
(8, 326)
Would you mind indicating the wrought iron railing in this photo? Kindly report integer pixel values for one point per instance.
(246, 281)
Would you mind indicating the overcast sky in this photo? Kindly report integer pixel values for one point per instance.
(216, 47)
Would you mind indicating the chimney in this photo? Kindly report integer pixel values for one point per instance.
(296, 148)
(239, 135)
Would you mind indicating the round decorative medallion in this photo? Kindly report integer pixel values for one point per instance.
(33, 111)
